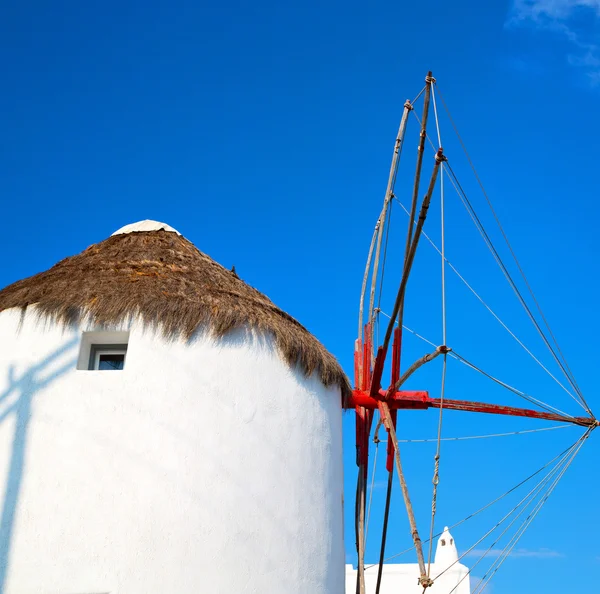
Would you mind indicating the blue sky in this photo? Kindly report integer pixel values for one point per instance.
(263, 132)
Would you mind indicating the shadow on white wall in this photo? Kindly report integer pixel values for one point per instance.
(24, 389)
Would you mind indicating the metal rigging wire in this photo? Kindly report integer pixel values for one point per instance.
(508, 549)
(436, 470)
(462, 195)
(480, 299)
(479, 225)
(489, 202)
(558, 472)
(411, 246)
(457, 357)
(487, 436)
(561, 455)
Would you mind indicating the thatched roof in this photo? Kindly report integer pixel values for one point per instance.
(162, 277)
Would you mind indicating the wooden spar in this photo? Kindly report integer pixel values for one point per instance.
(413, 207)
(382, 351)
(416, 365)
(366, 278)
(360, 522)
(420, 150)
(391, 450)
(386, 515)
(496, 409)
(416, 185)
(420, 400)
(364, 419)
(389, 464)
(439, 157)
(378, 231)
(389, 192)
(387, 421)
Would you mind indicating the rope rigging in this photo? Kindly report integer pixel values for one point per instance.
(457, 357)
(554, 475)
(508, 549)
(513, 285)
(480, 299)
(417, 181)
(504, 235)
(468, 206)
(476, 513)
(523, 503)
(520, 393)
(436, 471)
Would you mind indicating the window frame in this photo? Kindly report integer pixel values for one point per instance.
(98, 349)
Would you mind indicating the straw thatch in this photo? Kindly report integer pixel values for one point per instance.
(169, 283)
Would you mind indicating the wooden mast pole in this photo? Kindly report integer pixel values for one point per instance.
(384, 409)
(396, 368)
(378, 362)
(370, 378)
(364, 417)
(420, 150)
(389, 194)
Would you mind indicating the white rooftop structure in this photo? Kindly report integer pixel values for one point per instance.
(147, 225)
(448, 574)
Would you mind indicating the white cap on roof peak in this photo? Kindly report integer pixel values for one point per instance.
(146, 225)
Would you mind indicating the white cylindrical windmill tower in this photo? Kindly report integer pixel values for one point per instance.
(165, 428)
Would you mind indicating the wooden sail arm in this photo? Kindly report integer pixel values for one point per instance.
(420, 400)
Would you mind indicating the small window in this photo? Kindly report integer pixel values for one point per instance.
(443, 542)
(107, 357)
(103, 350)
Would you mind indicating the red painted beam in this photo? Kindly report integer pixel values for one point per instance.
(409, 399)
(496, 409)
(396, 355)
(420, 400)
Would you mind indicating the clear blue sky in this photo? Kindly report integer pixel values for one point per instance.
(263, 131)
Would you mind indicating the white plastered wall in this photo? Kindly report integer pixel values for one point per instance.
(204, 467)
(404, 578)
